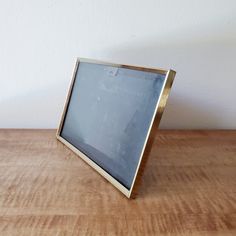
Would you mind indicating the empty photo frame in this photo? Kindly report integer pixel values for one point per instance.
(111, 115)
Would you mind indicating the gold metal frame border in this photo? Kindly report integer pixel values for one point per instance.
(170, 74)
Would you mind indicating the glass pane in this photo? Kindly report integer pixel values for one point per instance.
(109, 115)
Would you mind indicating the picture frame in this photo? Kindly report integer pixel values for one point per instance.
(167, 81)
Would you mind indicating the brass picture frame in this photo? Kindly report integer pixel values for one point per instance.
(157, 113)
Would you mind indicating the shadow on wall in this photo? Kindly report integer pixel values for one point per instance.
(183, 113)
(36, 108)
(194, 102)
(202, 95)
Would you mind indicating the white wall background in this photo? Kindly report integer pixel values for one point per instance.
(39, 41)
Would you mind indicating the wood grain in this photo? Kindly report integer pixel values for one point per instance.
(188, 188)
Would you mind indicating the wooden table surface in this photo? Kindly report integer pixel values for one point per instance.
(188, 188)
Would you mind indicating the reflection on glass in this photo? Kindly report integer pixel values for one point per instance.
(109, 116)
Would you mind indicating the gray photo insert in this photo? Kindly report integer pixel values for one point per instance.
(109, 115)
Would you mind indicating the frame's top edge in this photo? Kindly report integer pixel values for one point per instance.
(142, 68)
